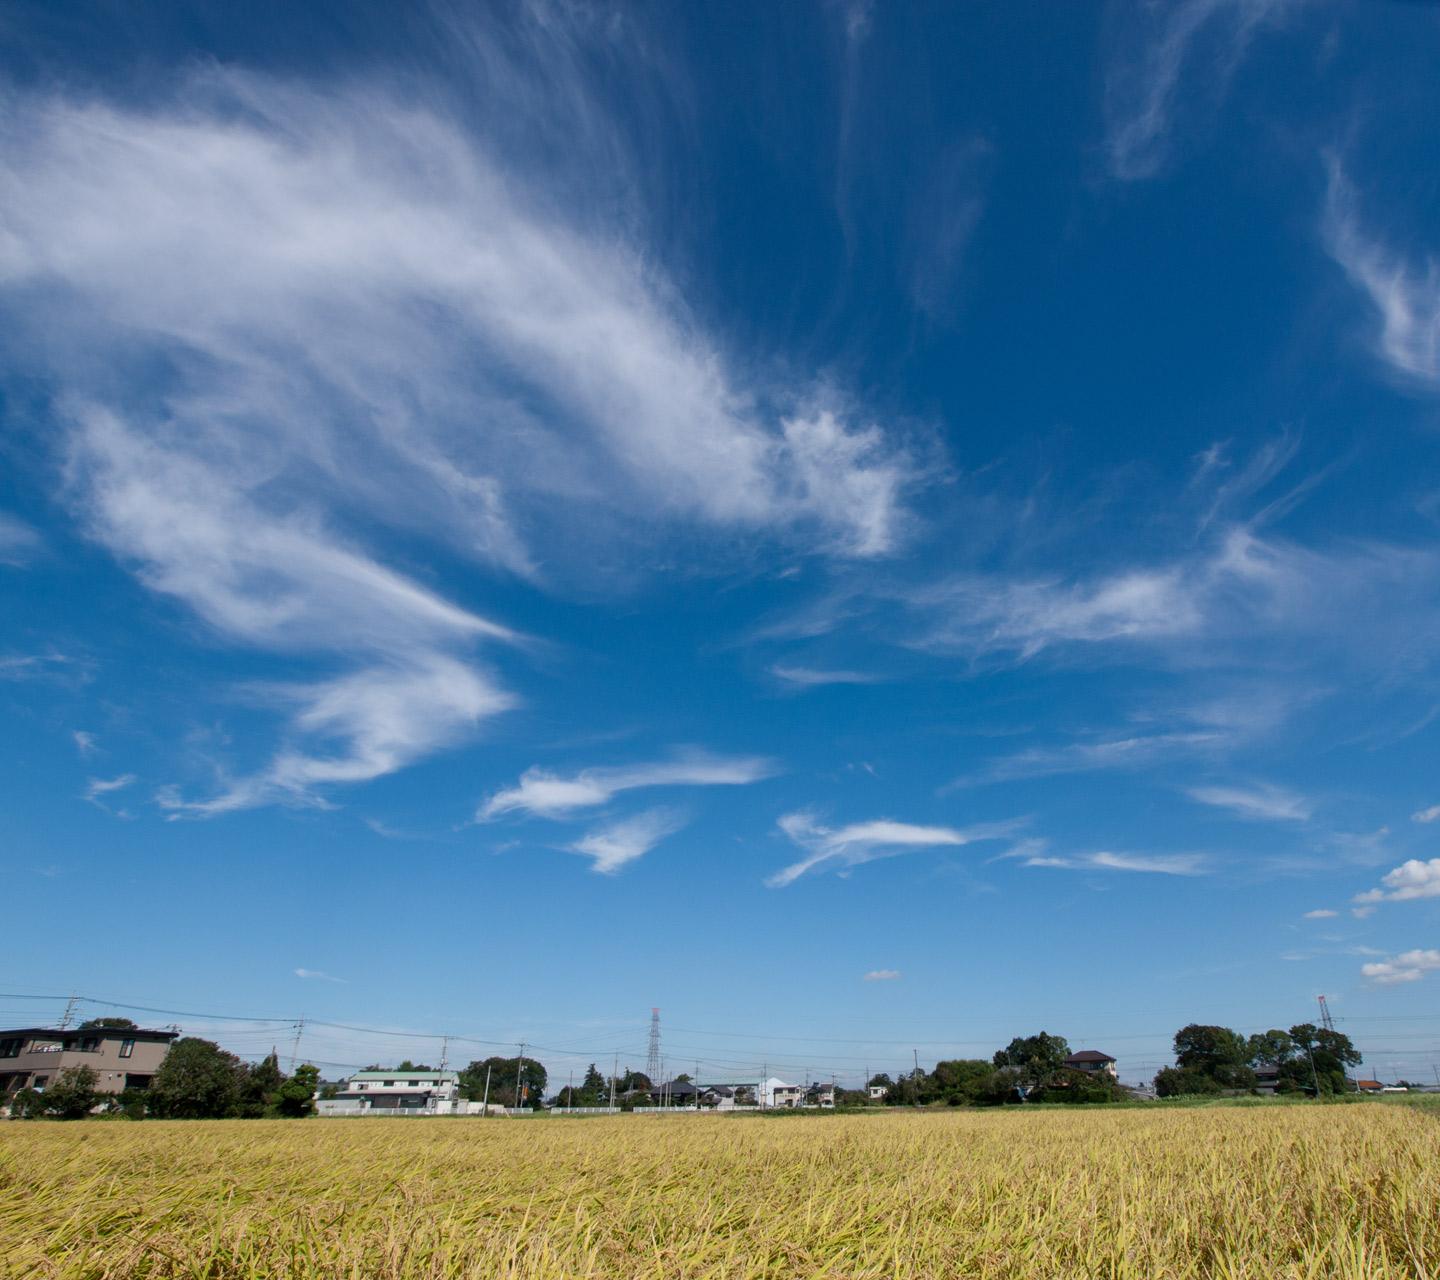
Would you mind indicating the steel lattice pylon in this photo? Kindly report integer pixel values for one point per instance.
(652, 1059)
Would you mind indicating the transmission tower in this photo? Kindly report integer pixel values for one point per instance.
(1325, 1020)
(652, 1059)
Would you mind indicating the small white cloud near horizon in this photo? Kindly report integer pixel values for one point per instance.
(618, 843)
(315, 973)
(881, 975)
(1324, 913)
(1426, 815)
(545, 794)
(1409, 966)
(866, 841)
(1257, 802)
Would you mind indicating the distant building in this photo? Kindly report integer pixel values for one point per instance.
(392, 1092)
(122, 1058)
(1092, 1062)
(877, 1091)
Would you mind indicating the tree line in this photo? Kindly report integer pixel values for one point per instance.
(1215, 1060)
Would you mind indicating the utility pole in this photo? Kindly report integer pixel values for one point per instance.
(615, 1072)
(295, 1048)
(69, 1009)
(485, 1105)
(519, 1068)
(916, 1052)
(570, 1095)
(444, 1052)
(1314, 1075)
(764, 1079)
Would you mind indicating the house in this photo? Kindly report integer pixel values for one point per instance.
(122, 1058)
(820, 1095)
(877, 1091)
(397, 1093)
(788, 1095)
(1267, 1079)
(1092, 1062)
(1369, 1086)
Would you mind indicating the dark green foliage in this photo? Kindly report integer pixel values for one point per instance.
(27, 1104)
(1038, 1056)
(1320, 1057)
(255, 1087)
(295, 1097)
(197, 1081)
(882, 1081)
(107, 1024)
(129, 1103)
(634, 1080)
(502, 1081)
(407, 1065)
(1213, 1060)
(70, 1096)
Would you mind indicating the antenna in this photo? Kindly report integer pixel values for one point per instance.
(1325, 1019)
(652, 1058)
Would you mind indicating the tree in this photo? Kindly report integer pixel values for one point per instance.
(407, 1065)
(70, 1096)
(682, 1078)
(960, 1081)
(296, 1096)
(1171, 1082)
(502, 1081)
(1270, 1049)
(107, 1024)
(1321, 1056)
(1038, 1057)
(1204, 1052)
(633, 1080)
(595, 1085)
(197, 1081)
(881, 1081)
(256, 1085)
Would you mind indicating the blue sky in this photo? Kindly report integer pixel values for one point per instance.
(871, 528)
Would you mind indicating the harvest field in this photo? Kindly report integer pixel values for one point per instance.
(1263, 1192)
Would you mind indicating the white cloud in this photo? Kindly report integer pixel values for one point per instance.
(1411, 879)
(614, 845)
(1409, 966)
(808, 677)
(1171, 864)
(549, 795)
(881, 975)
(84, 742)
(1426, 815)
(358, 290)
(99, 786)
(1406, 294)
(1082, 757)
(315, 973)
(1263, 801)
(1145, 82)
(1322, 914)
(866, 841)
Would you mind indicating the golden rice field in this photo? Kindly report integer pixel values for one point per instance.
(1263, 1192)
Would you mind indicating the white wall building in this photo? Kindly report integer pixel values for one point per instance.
(435, 1093)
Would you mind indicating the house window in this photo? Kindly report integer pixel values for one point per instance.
(90, 1044)
(389, 1084)
(412, 1084)
(359, 1086)
(11, 1048)
(40, 1082)
(127, 1047)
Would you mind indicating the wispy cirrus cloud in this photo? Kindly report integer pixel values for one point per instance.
(101, 786)
(1035, 853)
(1408, 966)
(881, 975)
(1160, 44)
(317, 975)
(393, 330)
(1324, 913)
(840, 848)
(617, 843)
(551, 795)
(1426, 815)
(810, 677)
(1259, 802)
(1405, 291)
(1410, 880)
